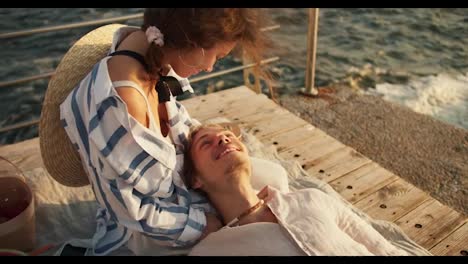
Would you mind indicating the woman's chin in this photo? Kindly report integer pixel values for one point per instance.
(193, 73)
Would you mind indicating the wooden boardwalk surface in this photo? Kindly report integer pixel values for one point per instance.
(373, 189)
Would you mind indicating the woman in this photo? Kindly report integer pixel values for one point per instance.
(130, 131)
(306, 222)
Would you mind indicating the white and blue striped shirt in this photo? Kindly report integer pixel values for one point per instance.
(134, 171)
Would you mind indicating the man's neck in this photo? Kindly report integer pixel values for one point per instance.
(232, 203)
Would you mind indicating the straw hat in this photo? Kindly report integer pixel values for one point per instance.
(59, 156)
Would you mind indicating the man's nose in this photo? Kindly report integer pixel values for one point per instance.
(223, 140)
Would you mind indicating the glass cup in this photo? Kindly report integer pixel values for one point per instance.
(17, 218)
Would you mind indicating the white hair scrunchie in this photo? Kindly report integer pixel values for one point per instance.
(153, 34)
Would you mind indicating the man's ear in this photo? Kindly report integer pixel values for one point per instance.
(197, 184)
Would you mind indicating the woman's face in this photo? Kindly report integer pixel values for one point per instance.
(190, 62)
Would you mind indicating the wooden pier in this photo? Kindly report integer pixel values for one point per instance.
(373, 189)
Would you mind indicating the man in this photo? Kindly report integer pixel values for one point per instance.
(306, 222)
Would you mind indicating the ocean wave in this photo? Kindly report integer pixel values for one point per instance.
(442, 96)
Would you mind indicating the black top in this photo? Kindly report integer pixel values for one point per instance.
(165, 86)
(133, 54)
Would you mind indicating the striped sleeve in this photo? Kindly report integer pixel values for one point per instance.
(180, 123)
(183, 113)
(144, 196)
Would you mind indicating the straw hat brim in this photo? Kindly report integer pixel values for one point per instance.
(60, 157)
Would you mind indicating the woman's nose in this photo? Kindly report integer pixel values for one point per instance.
(209, 69)
(210, 66)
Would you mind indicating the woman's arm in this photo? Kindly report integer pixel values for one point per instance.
(148, 195)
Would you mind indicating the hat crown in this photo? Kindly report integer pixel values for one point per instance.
(60, 158)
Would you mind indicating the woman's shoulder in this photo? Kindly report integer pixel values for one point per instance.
(125, 68)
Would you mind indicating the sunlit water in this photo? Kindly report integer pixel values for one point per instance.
(414, 57)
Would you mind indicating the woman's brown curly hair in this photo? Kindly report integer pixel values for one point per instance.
(204, 27)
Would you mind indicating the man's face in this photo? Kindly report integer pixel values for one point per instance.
(217, 154)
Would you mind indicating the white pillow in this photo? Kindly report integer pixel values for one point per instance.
(265, 172)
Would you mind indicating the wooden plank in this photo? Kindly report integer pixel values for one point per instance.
(327, 167)
(252, 112)
(268, 135)
(430, 222)
(235, 98)
(283, 134)
(257, 114)
(289, 139)
(311, 150)
(212, 103)
(316, 146)
(336, 164)
(456, 244)
(262, 117)
(26, 154)
(362, 182)
(252, 119)
(239, 108)
(393, 201)
(218, 97)
(273, 123)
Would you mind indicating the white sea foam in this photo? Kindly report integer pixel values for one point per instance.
(443, 96)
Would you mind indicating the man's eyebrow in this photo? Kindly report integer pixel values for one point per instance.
(199, 139)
